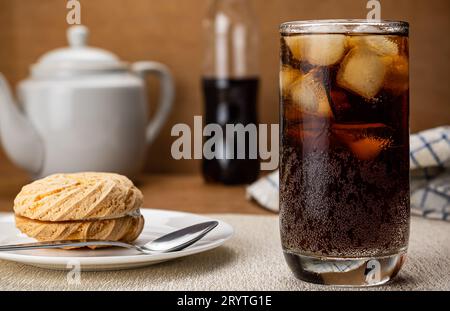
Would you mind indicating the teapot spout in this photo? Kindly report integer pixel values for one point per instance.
(20, 140)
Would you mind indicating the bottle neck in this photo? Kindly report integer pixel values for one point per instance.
(238, 11)
(232, 40)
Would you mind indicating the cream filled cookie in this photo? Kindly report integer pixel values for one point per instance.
(81, 206)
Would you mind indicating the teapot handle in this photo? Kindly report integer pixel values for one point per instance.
(167, 95)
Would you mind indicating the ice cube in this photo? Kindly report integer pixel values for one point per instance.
(319, 49)
(366, 141)
(308, 93)
(294, 44)
(397, 77)
(362, 72)
(368, 148)
(287, 76)
(381, 45)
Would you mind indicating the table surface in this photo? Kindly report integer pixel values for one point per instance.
(188, 193)
(253, 260)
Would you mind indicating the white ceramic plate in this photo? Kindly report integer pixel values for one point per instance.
(157, 223)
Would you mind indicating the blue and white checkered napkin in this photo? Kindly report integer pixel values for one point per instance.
(430, 177)
(430, 173)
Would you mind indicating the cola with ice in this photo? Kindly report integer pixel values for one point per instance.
(344, 171)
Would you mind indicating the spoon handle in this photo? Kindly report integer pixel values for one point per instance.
(174, 241)
(63, 244)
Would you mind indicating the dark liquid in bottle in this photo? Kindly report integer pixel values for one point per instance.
(231, 101)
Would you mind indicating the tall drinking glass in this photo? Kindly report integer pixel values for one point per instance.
(344, 171)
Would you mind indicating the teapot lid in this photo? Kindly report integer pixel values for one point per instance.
(76, 59)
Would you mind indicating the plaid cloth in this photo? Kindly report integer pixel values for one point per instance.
(430, 177)
(430, 173)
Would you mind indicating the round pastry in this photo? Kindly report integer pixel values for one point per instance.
(81, 206)
(81, 196)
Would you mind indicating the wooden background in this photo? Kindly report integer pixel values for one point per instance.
(170, 31)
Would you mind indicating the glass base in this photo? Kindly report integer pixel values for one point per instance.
(370, 271)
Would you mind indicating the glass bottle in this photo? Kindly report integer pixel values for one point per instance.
(230, 85)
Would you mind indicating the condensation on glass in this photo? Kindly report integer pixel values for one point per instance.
(344, 162)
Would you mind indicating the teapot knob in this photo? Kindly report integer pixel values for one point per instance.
(77, 36)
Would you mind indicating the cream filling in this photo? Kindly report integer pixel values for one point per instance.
(133, 213)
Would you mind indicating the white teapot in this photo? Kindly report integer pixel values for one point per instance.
(82, 110)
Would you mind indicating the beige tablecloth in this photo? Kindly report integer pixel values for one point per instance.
(251, 260)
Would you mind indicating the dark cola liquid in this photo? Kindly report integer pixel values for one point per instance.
(231, 101)
(344, 171)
